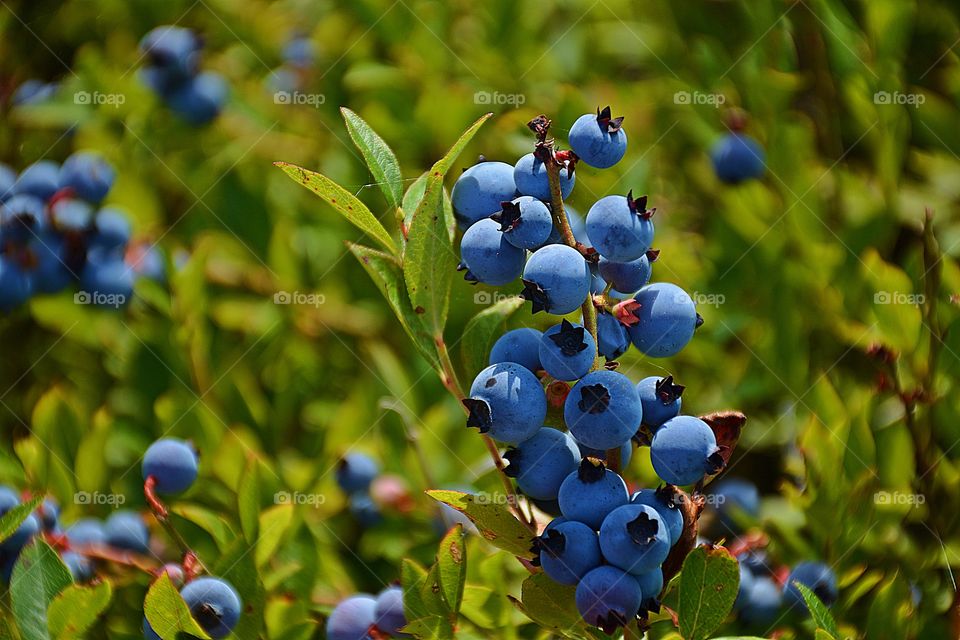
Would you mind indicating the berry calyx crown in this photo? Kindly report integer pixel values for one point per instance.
(594, 399)
(569, 339)
(668, 391)
(639, 206)
(643, 529)
(608, 123)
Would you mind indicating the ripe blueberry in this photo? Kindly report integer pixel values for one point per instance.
(199, 99)
(591, 492)
(667, 319)
(568, 551)
(620, 228)
(355, 472)
(479, 191)
(530, 176)
(23, 534)
(608, 598)
(663, 502)
(16, 285)
(634, 538)
(389, 612)
(762, 604)
(172, 463)
(49, 514)
(352, 618)
(111, 229)
(507, 402)
(173, 51)
(603, 411)
(556, 279)
(737, 501)
(612, 337)
(541, 463)
(660, 398)
(526, 222)
(598, 140)
(817, 577)
(7, 179)
(23, 217)
(299, 51)
(80, 567)
(651, 584)
(521, 346)
(8, 499)
(55, 260)
(364, 510)
(683, 450)
(127, 530)
(88, 174)
(746, 584)
(87, 531)
(567, 351)
(737, 157)
(626, 277)
(71, 214)
(488, 256)
(40, 180)
(215, 605)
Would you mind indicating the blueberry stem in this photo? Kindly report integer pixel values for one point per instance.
(162, 514)
(60, 542)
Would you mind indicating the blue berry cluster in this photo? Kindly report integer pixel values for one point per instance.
(298, 55)
(610, 544)
(173, 73)
(355, 473)
(365, 616)
(54, 233)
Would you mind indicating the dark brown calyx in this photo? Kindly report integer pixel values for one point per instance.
(536, 295)
(604, 119)
(509, 216)
(643, 529)
(639, 206)
(668, 391)
(479, 414)
(569, 339)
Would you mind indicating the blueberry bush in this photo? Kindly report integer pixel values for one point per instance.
(612, 319)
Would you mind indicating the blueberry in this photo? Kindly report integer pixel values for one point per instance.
(598, 140)
(355, 472)
(200, 99)
(817, 577)
(626, 277)
(620, 228)
(567, 351)
(364, 510)
(667, 319)
(8, 177)
(737, 157)
(111, 229)
(174, 52)
(479, 191)
(23, 218)
(88, 531)
(55, 256)
(634, 538)
(608, 598)
(737, 500)
(577, 225)
(80, 567)
(521, 346)
(146, 261)
(530, 176)
(88, 174)
(651, 584)
(762, 604)
(660, 398)
(24, 533)
(662, 501)
(299, 52)
(488, 256)
(16, 285)
(591, 492)
(506, 402)
(71, 214)
(33, 92)
(603, 411)
(568, 551)
(542, 462)
(746, 585)
(389, 612)
(683, 450)
(526, 222)
(556, 279)
(107, 278)
(40, 180)
(49, 514)
(126, 530)
(215, 605)
(172, 463)
(8, 499)
(612, 337)
(626, 453)
(352, 618)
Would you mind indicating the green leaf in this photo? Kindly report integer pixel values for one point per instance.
(429, 261)
(38, 576)
(274, 523)
(12, 519)
(494, 521)
(430, 627)
(818, 611)
(76, 609)
(248, 501)
(709, 581)
(432, 596)
(478, 334)
(412, 577)
(412, 198)
(388, 276)
(890, 611)
(452, 564)
(167, 613)
(342, 201)
(550, 604)
(379, 157)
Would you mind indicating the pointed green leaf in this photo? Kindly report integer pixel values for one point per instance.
(430, 261)
(452, 563)
(709, 581)
(430, 628)
(343, 201)
(379, 157)
(412, 198)
(550, 604)
(818, 611)
(274, 523)
(12, 519)
(494, 521)
(431, 594)
(76, 609)
(248, 501)
(167, 613)
(38, 576)
(412, 577)
(479, 333)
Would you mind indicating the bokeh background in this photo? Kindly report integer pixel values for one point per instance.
(797, 274)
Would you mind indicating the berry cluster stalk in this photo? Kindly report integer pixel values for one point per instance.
(162, 514)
